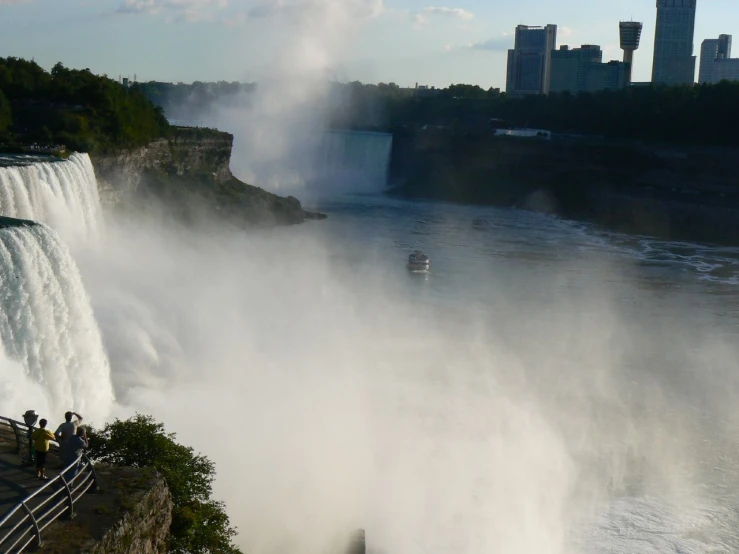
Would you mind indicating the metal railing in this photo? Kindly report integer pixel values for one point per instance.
(18, 433)
(25, 522)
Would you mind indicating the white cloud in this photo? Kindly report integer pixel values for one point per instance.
(13, 2)
(422, 17)
(565, 32)
(174, 10)
(302, 12)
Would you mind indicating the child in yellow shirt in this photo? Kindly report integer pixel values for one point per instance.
(41, 438)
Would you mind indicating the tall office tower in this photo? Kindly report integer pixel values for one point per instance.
(530, 61)
(674, 63)
(716, 60)
(630, 33)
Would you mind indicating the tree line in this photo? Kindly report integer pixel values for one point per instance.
(694, 114)
(73, 107)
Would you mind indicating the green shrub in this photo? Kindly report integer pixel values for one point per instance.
(200, 525)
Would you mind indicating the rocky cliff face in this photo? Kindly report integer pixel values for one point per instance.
(188, 153)
(144, 529)
(130, 514)
(188, 175)
(678, 193)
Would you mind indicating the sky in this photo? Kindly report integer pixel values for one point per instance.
(402, 41)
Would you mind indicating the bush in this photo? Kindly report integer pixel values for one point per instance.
(200, 525)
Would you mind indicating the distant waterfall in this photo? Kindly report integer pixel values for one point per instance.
(46, 319)
(354, 161)
(62, 194)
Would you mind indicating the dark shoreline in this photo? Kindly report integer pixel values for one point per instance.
(686, 194)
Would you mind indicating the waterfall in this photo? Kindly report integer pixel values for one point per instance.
(354, 161)
(46, 318)
(62, 194)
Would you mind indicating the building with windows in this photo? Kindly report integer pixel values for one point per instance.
(581, 70)
(571, 68)
(674, 62)
(529, 63)
(725, 69)
(712, 50)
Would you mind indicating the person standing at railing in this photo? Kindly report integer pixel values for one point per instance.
(66, 431)
(41, 438)
(74, 447)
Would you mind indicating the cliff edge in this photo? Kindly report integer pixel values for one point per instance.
(131, 514)
(188, 175)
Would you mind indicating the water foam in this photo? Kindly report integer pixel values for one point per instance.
(62, 194)
(47, 323)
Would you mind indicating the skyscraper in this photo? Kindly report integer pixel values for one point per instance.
(530, 61)
(674, 62)
(714, 51)
(630, 35)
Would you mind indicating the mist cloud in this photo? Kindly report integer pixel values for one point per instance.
(496, 44)
(302, 12)
(175, 10)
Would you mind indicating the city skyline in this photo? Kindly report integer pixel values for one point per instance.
(403, 41)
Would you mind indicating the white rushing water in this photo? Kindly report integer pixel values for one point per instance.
(361, 159)
(62, 194)
(51, 351)
(47, 324)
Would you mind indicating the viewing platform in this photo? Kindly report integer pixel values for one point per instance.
(72, 513)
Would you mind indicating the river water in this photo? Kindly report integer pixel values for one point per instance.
(578, 387)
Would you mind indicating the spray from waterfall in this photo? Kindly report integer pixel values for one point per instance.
(62, 194)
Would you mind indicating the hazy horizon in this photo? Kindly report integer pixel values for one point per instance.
(401, 41)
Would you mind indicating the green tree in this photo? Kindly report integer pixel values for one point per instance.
(200, 525)
(6, 116)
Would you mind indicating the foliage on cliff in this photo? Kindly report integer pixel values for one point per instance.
(6, 116)
(200, 525)
(76, 108)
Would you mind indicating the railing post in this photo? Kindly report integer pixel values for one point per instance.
(92, 470)
(16, 432)
(36, 529)
(70, 500)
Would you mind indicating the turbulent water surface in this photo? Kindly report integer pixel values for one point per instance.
(547, 388)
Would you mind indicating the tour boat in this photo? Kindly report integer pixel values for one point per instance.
(418, 261)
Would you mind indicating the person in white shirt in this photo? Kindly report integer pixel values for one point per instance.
(66, 431)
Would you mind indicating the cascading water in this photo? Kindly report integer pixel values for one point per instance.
(48, 334)
(47, 323)
(354, 161)
(62, 194)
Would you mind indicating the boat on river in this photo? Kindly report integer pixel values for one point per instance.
(418, 261)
